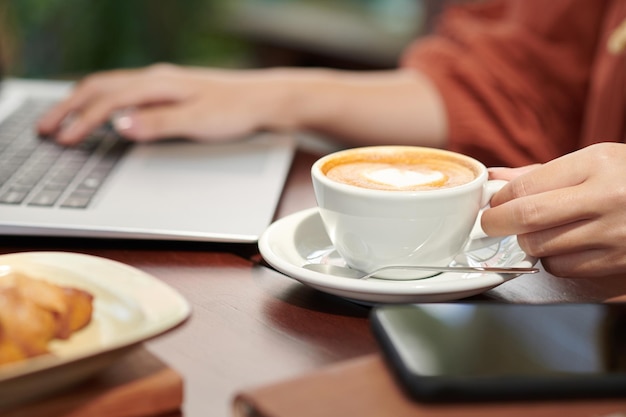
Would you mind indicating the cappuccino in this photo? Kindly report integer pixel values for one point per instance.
(401, 169)
(374, 216)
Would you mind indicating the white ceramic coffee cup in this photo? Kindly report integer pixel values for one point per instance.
(372, 228)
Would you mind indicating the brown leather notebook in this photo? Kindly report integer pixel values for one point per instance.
(365, 387)
(139, 385)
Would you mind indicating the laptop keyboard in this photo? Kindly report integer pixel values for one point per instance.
(38, 172)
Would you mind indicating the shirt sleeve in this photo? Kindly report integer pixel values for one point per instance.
(513, 75)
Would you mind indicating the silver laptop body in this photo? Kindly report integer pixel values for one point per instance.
(169, 190)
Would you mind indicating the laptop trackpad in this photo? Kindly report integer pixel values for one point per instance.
(202, 185)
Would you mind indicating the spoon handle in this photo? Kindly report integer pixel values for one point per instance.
(491, 269)
(345, 271)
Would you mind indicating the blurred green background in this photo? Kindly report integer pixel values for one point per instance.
(69, 38)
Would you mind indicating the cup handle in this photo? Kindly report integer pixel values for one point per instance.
(478, 239)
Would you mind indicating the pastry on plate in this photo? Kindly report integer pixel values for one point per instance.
(34, 312)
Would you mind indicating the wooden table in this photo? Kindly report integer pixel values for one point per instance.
(252, 325)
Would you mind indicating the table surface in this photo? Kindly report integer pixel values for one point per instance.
(252, 325)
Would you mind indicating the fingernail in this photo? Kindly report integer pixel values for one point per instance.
(122, 123)
(122, 120)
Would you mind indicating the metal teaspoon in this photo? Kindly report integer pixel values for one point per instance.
(348, 272)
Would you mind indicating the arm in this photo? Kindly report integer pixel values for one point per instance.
(362, 108)
(513, 75)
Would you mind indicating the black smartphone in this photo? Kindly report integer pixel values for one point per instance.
(493, 351)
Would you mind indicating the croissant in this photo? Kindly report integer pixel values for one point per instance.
(34, 312)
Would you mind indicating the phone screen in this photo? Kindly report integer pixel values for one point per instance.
(484, 350)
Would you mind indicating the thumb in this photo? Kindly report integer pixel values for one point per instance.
(507, 174)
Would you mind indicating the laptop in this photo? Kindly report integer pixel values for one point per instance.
(166, 190)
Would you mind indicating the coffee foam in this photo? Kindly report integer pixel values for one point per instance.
(397, 177)
(400, 172)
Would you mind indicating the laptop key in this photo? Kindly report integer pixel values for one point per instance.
(13, 196)
(77, 200)
(45, 198)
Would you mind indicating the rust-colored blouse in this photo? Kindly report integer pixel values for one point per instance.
(526, 81)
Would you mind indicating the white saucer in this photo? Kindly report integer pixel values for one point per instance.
(300, 238)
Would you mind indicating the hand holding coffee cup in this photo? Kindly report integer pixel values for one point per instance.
(400, 205)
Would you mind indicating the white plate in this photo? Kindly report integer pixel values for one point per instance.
(130, 307)
(300, 238)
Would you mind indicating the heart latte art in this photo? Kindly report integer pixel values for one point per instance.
(401, 173)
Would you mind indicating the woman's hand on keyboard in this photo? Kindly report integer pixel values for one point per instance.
(164, 101)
